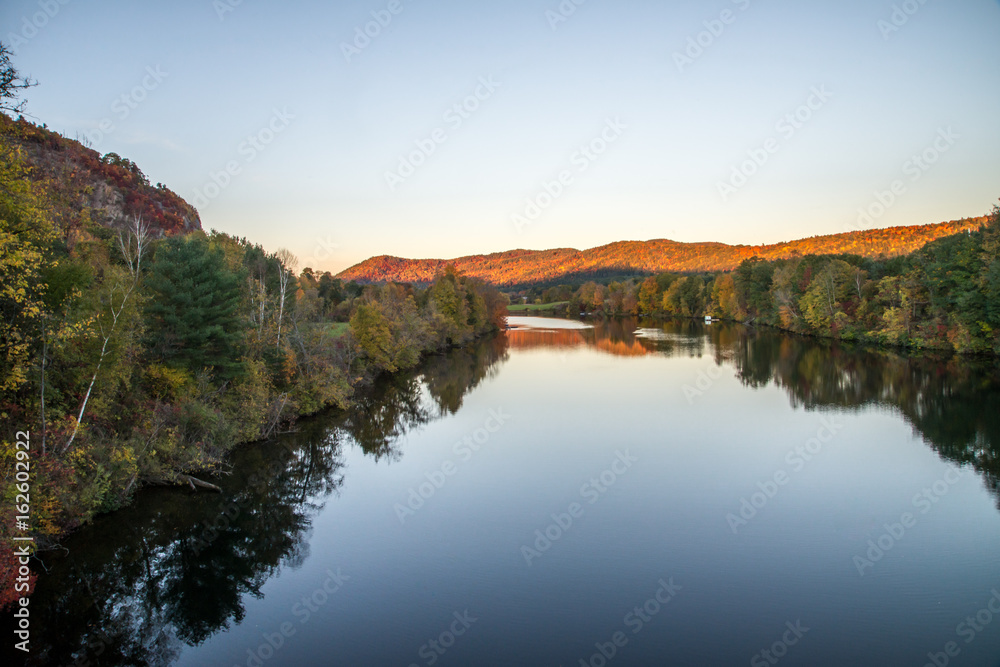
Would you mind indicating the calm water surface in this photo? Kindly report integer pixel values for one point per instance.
(629, 493)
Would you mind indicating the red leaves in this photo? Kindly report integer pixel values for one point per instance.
(73, 168)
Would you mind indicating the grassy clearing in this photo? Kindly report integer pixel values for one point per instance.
(338, 329)
(533, 307)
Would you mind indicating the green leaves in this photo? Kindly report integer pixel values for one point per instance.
(371, 329)
(193, 310)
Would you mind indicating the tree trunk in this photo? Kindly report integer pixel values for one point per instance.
(195, 482)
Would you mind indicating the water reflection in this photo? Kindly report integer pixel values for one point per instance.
(175, 568)
(620, 338)
(450, 377)
(403, 402)
(952, 402)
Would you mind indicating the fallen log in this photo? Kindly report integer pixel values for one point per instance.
(195, 482)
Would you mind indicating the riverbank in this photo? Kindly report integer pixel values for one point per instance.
(171, 389)
(859, 342)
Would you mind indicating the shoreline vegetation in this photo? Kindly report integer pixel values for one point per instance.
(944, 296)
(135, 354)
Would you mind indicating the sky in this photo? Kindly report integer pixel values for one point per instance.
(437, 128)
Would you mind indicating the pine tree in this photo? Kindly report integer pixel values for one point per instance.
(193, 313)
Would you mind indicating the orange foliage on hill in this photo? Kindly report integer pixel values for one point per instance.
(523, 267)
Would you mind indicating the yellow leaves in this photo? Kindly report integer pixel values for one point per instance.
(25, 234)
(78, 457)
(44, 515)
(787, 317)
(166, 383)
(960, 338)
(81, 329)
(123, 455)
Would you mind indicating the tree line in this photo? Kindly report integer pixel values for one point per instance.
(945, 295)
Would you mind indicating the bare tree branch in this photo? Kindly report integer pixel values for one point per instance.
(12, 83)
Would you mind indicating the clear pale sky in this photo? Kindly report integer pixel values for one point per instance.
(677, 130)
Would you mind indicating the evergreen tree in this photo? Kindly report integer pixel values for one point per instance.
(193, 311)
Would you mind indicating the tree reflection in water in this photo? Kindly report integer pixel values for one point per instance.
(170, 570)
(174, 568)
(952, 402)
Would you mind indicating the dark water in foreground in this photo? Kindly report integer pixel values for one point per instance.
(630, 494)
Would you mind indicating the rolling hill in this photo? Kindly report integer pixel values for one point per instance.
(525, 267)
(84, 185)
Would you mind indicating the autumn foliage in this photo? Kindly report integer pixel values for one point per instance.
(946, 295)
(526, 267)
(85, 186)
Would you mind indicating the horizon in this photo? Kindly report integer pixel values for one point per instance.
(450, 131)
(985, 217)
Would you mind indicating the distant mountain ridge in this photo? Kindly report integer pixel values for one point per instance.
(525, 267)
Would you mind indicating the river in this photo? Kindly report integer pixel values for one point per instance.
(570, 493)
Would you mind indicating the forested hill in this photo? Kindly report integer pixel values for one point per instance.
(524, 267)
(84, 185)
